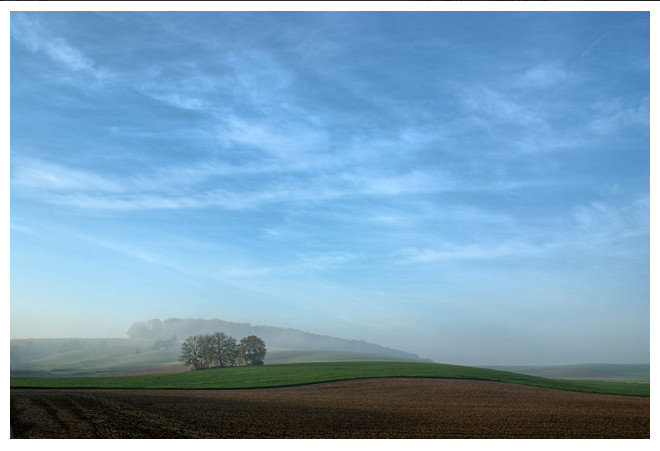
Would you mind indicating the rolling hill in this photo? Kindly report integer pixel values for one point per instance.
(275, 337)
(640, 371)
(155, 344)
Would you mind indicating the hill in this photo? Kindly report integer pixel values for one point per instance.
(155, 344)
(80, 356)
(275, 337)
(53, 357)
(640, 371)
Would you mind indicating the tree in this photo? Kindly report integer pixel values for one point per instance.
(225, 349)
(191, 352)
(252, 350)
(220, 350)
(206, 351)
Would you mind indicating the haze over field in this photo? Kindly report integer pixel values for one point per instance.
(469, 187)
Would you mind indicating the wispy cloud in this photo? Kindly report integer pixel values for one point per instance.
(595, 43)
(244, 271)
(14, 226)
(36, 175)
(613, 115)
(180, 84)
(302, 263)
(284, 140)
(544, 76)
(179, 100)
(326, 260)
(259, 77)
(247, 186)
(415, 181)
(59, 50)
(452, 252)
(595, 227)
(608, 221)
(32, 34)
(492, 107)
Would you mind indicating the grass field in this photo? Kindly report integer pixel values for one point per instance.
(269, 376)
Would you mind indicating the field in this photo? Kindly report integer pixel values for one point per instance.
(641, 372)
(365, 408)
(329, 400)
(270, 376)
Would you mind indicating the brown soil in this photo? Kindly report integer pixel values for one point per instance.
(376, 408)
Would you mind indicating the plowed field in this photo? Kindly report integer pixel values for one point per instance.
(373, 408)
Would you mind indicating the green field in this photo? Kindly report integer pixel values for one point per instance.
(269, 376)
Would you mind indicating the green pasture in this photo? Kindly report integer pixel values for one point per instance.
(269, 376)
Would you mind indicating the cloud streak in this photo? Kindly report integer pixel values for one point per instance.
(544, 76)
(197, 186)
(37, 39)
(38, 176)
(450, 253)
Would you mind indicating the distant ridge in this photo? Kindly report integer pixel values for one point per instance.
(277, 337)
(641, 371)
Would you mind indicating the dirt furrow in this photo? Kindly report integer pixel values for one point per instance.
(381, 408)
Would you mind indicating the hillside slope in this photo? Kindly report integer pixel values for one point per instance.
(155, 344)
(275, 337)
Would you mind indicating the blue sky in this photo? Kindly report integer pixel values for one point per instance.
(471, 187)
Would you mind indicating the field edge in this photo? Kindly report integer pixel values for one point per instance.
(297, 374)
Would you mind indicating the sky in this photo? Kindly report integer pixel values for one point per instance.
(472, 187)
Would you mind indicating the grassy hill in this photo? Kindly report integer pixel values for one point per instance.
(293, 356)
(87, 356)
(269, 376)
(81, 357)
(275, 337)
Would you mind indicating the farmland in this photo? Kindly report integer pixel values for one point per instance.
(271, 376)
(329, 400)
(364, 408)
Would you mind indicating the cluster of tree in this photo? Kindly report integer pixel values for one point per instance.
(220, 350)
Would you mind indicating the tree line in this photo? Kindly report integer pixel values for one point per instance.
(220, 350)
